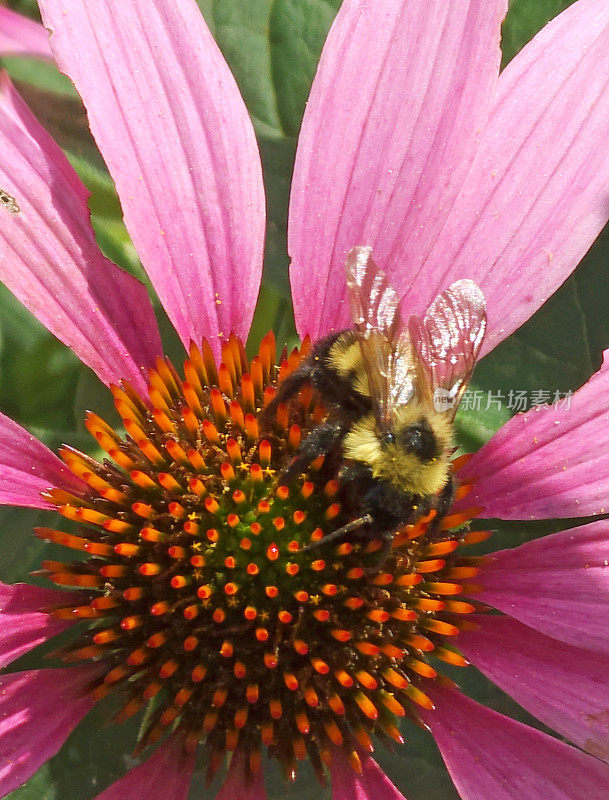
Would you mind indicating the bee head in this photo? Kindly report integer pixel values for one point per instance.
(412, 454)
(417, 438)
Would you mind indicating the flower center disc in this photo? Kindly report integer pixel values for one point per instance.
(201, 601)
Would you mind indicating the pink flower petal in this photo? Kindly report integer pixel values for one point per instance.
(27, 468)
(20, 36)
(402, 92)
(536, 196)
(372, 784)
(23, 625)
(166, 774)
(38, 711)
(492, 757)
(236, 787)
(173, 129)
(563, 686)
(549, 462)
(49, 258)
(557, 584)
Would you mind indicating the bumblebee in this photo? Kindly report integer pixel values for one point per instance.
(392, 391)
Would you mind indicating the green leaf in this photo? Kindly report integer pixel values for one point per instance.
(37, 373)
(27, 7)
(273, 312)
(591, 289)
(524, 19)
(91, 394)
(39, 787)
(304, 787)
(42, 75)
(26, 552)
(241, 30)
(277, 159)
(115, 243)
(272, 47)
(274, 306)
(297, 31)
(477, 421)
(417, 768)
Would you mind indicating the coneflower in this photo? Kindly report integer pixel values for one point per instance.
(189, 588)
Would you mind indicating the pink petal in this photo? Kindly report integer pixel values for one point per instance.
(536, 196)
(166, 774)
(38, 711)
(173, 129)
(557, 584)
(563, 686)
(49, 258)
(372, 784)
(492, 757)
(20, 36)
(23, 625)
(27, 468)
(236, 787)
(549, 462)
(402, 92)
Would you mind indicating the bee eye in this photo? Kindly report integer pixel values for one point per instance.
(389, 438)
(420, 440)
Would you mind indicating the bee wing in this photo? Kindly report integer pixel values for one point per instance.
(446, 343)
(402, 384)
(373, 302)
(386, 352)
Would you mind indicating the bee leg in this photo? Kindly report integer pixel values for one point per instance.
(443, 503)
(314, 370)
(337, 534)
(309, 371)
(384, 551)
(290, 386)
(319, 441)
(447, 497)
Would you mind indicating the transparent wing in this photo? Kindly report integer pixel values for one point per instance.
(384, 345)
(373, 302)
(446, 343)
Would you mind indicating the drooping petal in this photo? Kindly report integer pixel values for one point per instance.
(170, 122)
(38, 711)
(27, 468)
(563, 686)
(557, 584)
(167, 773)
(491, 756)
(402, 92)
(552, 461)
(536, 196)
(23, 625)
(372, 784)
(236, 787)
(20, 36)
(49, 258)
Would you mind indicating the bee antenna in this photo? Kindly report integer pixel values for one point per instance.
(350, 526)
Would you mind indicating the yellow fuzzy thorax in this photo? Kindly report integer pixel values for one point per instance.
(390, 462)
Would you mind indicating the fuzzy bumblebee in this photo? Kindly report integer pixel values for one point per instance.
(392, 390)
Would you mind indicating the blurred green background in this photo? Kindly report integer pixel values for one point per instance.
(272, 47)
